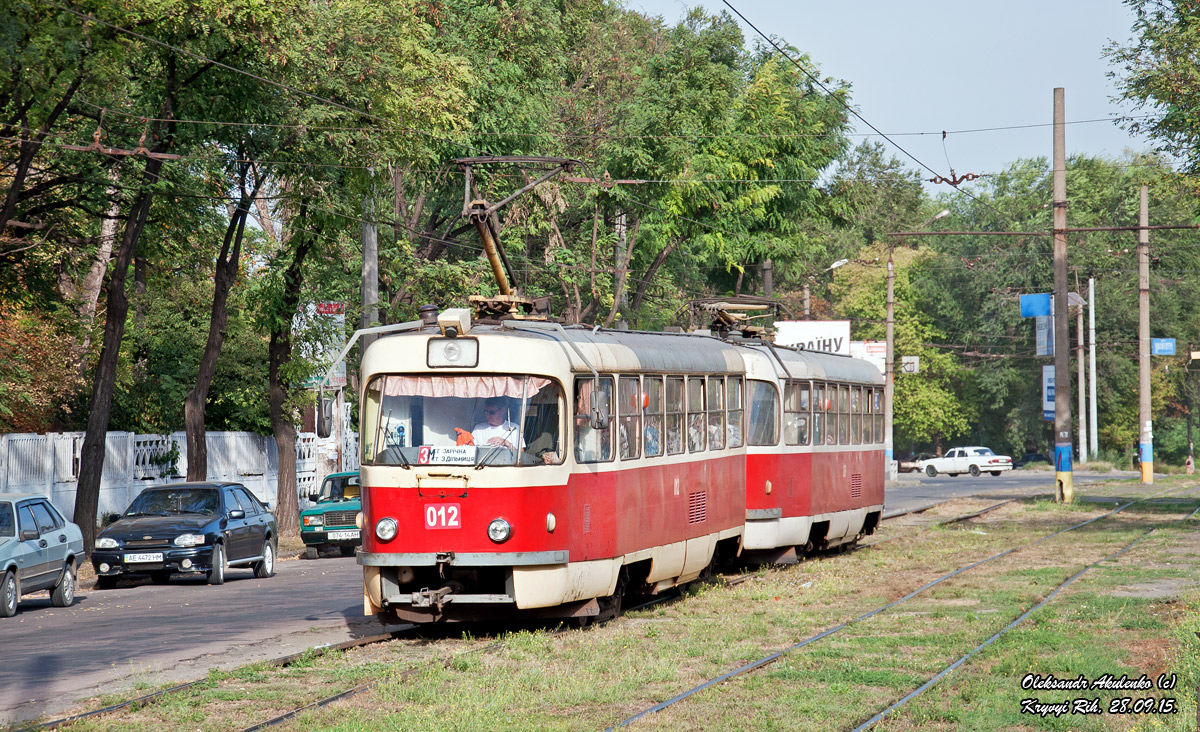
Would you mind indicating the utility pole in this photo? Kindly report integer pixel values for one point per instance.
(768, 278)
(1146, 443)
(1093, 423)
(1081, 367)
(807, 311)
(889, 388)
(1064, 489)
(370, 268)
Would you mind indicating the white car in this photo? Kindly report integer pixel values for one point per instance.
(973, 460)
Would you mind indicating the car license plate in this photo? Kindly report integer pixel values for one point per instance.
(146, 557)
(443, 516)
(338, 535)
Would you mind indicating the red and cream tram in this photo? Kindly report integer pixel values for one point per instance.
(523, 469)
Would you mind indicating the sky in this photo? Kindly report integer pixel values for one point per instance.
(932, 65)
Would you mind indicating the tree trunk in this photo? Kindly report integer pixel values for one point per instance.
(91, 461)
(644, 284)
(622, 270)
(224, 275)
(279, 352)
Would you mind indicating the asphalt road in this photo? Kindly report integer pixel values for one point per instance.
(114, 639)
(914, 490)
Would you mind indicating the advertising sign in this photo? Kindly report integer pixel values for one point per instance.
(830, 336)
(1162, 346)
(873, 351)
(1048, 393)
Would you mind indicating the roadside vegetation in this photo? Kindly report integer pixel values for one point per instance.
(1133, 615)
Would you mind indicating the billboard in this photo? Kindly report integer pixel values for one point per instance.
(873, 351)
(830, 336)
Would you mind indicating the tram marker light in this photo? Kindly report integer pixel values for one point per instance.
(457, 353)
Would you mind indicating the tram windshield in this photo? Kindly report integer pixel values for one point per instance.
(470, 419)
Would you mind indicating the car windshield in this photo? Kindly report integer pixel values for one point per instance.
(462, 420)
(176, 500)
(7, 524)
(337, 487)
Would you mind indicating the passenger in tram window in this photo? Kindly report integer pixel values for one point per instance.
(651, 437)
(696, 433)
(496, 429)
(733, 434)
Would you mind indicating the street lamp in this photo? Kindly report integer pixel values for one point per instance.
(889, 389)
(830, 268)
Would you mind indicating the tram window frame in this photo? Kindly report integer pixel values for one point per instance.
(697, 416)
(818, 415)
(868, 428)
(844, 414)
(831, 414)
(878, 397)
(734, 405)
(715, 393)
(654, 390)
(583, 425)
(758, 437)
(629, 412)
(856, 414)
(796, 412)
(673, 398)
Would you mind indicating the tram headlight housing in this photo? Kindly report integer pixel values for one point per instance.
(385, 529)
(445, 353)
(499, 530)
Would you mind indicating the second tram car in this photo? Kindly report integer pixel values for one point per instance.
(524, 469)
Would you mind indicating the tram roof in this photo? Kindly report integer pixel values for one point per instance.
(818, 365)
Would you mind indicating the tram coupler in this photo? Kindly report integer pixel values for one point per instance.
(442, 559)
(426, 597)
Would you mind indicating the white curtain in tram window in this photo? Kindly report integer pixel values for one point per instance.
(464, 387)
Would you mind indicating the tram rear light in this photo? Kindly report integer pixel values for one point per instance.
(386, 529)
(499, 530)
(462, 353)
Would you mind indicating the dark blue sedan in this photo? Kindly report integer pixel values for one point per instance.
(188, 528)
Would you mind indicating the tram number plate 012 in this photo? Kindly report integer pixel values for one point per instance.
(443, 516)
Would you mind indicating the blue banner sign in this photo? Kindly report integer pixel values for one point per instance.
(1162, 346)
(1034, 305)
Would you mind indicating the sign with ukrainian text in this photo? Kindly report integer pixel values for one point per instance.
(828, 336)
(1048, 393)
(1162, 346)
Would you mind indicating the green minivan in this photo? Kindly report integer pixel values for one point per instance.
(334, 520)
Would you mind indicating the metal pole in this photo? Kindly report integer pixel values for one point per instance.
(889, 389)
(1146, 443)
(1093, 423)
(1081, 367)
(807, 312)
(1064, 490)
(370, 268)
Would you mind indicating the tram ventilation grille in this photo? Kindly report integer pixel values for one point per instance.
(697, 507)
(340, 518)
(856, 485)
(587, 518)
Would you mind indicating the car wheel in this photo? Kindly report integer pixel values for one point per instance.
(311, 552)
(161, 577)
(106, 581)
(930, 471)
(996, 473)
(216, 575)
(348, 551)
(64, 591)
(974, 471)
(266, 567)
(8, 595)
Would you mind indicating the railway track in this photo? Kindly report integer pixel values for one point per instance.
(726, 580)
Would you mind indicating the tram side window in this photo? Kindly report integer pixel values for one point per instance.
(695, 408)
(654, 415)
(831, 414)
(844, 414)
(630, 407)
(818, 417)
(879, 414)
(868, 428)
(716, 412)
(591, 445)
(674, 415)
(795, 413)
(733, 402)
(764, 413)
(856, 415)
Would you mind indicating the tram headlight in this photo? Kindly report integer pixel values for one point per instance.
(459, 352)
(499, 530)
(385, 529)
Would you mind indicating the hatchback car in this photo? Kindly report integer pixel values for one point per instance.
(188, 528)
(38, 551)
(334, 520)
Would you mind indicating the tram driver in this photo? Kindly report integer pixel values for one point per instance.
(496, 429)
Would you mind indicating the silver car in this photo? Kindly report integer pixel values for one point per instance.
(39, 550)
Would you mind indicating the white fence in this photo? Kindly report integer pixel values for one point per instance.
(49, 464)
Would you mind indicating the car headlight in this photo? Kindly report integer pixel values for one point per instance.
(106, 542)
(499, 530)
(189, 540)
(385, 529)
(315, 520)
